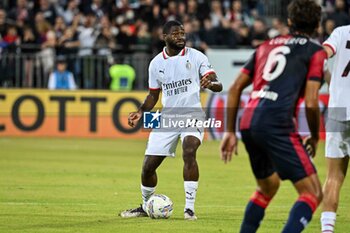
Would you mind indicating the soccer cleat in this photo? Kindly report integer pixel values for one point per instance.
(133, 213)
(189, 215)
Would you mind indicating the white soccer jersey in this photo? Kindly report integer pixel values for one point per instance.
(339, 104)
(179, 77)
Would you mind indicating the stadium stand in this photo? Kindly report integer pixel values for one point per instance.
(94, 33)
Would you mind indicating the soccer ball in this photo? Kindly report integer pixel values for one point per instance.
(159, 206)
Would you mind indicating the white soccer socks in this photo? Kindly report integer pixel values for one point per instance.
(328, 221)
(146, 193)
(190, 193)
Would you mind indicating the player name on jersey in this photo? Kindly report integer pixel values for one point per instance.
(293, 40)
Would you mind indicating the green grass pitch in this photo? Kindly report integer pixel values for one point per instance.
(80, 185)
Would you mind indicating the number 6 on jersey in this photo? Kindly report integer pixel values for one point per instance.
(276, 62)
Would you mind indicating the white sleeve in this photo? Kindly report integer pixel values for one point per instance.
(334, 40)
(204, 66)
(52, 82)
(153, 82)
(72, 85)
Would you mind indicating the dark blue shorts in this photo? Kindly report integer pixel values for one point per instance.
(281, 153)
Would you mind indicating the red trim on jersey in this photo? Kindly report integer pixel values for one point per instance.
(209, 72)
(310, 200)
(245, 71)
(248, 113)
(165, 56)
(154, 89)
(316, 65)
(302, 154)
(260, 199)
(181, 53)
(330, 46)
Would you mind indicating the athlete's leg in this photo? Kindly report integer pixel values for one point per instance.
(310, 195)
(337, 168)
(255, 210)
(159, 146)
(149, 175)
(267, 180)
(190, 145)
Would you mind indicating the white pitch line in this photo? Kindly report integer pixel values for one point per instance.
(46, 203)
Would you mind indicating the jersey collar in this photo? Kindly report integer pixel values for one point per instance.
(166, 56)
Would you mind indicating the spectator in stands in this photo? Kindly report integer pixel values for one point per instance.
(208, 33)
(143, 36)
(237, 14)
(60, 26)
(96, 7)
(340, 15)
(157, 40)
(105, 40)
(42, 26)
(258, 32)
(68, 43)
(48, 11)
(216, 14)
(192, 9)
(279, 28)
(243, 35)
(192, 34)
(87, 34)
(28, 41)
(3, 23)
(126, 36)
(21, 14)
(11, 37)
(61, 78)
(329, 26)
(28, 48)
(71, 11)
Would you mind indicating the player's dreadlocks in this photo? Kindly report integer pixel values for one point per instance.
(304, 15)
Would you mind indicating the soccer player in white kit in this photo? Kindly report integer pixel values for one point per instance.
(338, 124)
(179, 73)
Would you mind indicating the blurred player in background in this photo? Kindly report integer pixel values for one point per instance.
(282, 70)
(175, 64)
(338, 124)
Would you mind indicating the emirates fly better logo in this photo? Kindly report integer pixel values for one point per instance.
(157, 120)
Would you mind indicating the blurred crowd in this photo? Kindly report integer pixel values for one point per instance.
(87, 27)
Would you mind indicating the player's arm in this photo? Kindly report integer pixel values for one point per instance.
(147, 105)
(312, 112)
(329, 50)
(313, 84)
(229, 141)
(211, 82)
(327, 77)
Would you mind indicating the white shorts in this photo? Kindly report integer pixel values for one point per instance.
(337, 139)
(164, 143)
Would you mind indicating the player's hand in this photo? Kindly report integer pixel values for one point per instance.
(133, 118)
(310, 145)
(206, 82)
(228, 145)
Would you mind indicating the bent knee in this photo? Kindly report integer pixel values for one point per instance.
(147, 170)
(189, 152)
(270, 189)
